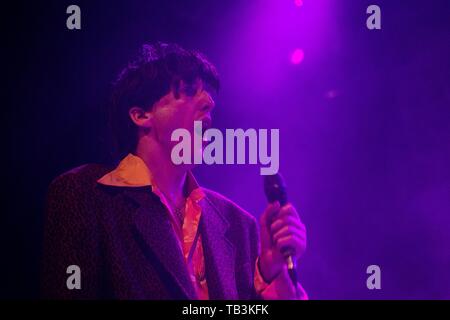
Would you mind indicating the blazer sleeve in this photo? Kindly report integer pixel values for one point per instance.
(254, 238)
(70, 242)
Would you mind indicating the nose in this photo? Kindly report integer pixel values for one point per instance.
(207, 104)
(206, 107)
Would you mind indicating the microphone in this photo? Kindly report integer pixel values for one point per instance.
(275, 190)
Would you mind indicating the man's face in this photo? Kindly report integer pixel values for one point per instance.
(194, 103)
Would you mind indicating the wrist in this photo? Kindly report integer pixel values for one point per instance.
(267, 269)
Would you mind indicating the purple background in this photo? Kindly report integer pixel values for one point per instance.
(364, 124)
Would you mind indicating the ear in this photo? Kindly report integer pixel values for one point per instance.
(140, 117)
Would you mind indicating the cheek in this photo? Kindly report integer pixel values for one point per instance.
(168, 120)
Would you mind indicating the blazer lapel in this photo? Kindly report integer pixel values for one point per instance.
(153, 224)
(219, 253)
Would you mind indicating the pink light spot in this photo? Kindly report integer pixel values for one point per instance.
(331, 94)
(298, 3)
(297, 56)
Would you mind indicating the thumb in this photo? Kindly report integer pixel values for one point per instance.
(265, 222)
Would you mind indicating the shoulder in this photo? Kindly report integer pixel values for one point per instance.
(82, 178)
(230, 209)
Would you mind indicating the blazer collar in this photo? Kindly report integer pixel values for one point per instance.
(158, 236)
(219, 253)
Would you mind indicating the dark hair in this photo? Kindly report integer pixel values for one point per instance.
(157, 69)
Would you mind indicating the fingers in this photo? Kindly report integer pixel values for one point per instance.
(280, 223)
(269, 214)
(273, 210)
(265, 222)
(287, 231)
(288, 210)
(285, 228)
(293, 243)
(287, 216)
(282, 227)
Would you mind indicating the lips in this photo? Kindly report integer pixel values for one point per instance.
(206, 124)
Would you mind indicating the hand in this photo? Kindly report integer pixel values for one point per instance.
(281, 228)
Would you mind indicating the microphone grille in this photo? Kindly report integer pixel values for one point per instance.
(275, 189)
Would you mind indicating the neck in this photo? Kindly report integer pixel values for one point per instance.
(169, 178)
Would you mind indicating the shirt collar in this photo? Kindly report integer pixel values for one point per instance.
(133, 172)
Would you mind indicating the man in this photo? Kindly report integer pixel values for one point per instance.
(145, 229)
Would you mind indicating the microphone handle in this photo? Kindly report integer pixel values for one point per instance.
(290, 261)
(292, 267)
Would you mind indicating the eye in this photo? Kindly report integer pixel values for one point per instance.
(190, 90)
